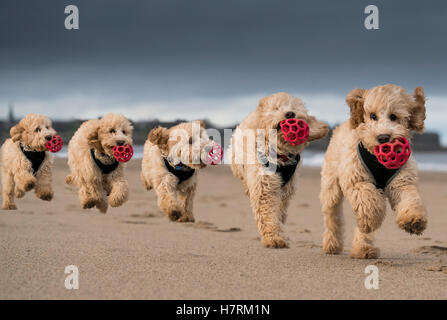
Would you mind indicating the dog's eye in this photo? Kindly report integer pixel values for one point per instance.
(37, 130)
(124, 132)
(190, 140)
(112, 131)
(393, 117)
(373, 116)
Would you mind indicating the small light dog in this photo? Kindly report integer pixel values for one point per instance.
(25, 163)
(378, 115)
(270, 190)
(94, 170)
(170, 162)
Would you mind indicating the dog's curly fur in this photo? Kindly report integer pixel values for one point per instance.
(32, 132)
(186, 144)
(343, 174)
(269, 200)
(100, 135)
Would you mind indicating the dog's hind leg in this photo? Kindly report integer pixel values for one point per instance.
(8, 191)
(146, 183)
(331, 198)
(187, 200)
(167, 197)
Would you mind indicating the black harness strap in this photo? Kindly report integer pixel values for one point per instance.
(181, 175)
(380, 174)
(35, 157)
(286, 171)
(105, 168)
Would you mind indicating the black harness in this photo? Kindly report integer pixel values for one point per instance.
(286, 171)
(181, 175)
(105, 168)
(35, 157)
(380, 174)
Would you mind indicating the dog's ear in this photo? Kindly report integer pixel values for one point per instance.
(355, 101)
(159, 136)
(263, 103)
(317, 129)
(16, 132)
(202, 123)
(93, 138)
(417, 116)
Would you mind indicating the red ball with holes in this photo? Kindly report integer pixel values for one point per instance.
(123, 153)
(215, 155)
(394, 154)
(55, 144)
(295, 131)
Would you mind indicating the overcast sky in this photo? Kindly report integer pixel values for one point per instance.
(214, 59)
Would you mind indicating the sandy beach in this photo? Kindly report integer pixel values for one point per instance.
(134, 252)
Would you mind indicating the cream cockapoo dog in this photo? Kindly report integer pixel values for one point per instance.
(25, 163)
(94, 170)
(378, 115)
(270, 189)
(170, 162)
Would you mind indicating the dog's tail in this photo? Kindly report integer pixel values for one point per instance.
(69, 180)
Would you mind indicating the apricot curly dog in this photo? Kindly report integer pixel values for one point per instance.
(270, 187)
(170, 162)
(25, 163)
(378, 115)
(94, 170)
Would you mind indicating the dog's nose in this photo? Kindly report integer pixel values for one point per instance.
(290, 115)
(120, 143)
(383, 138)
(48, 138)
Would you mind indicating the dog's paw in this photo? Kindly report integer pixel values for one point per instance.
(46, 196)
(175, 215)
(332, 246)
(186, 219)
(274, 242)
(88, 203)
(9, 206)
(365, 252)
(412, 222)
(19, 193)
(117, 199)
(29, 185)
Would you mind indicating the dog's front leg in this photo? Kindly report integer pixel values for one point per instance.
(186, 200)
(119, 190)
(167, 197)
(406, 201)
(265, 202)
(24, 181)
(8, 191)
(43, 187)
(369, 207)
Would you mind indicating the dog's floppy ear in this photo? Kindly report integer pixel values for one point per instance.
(355, 101)
(16, 132)
(418, 111)
(159, 136)
(93, 138)
(317, 129)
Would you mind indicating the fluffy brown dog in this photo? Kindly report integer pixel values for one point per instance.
(94, 170)
(377, 115)
(25, 162)
(270, 190)
(171, 157)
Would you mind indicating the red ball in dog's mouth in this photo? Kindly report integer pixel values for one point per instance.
(394, 154)
(215, 155)
(123, 153)
(55, 144)
(295, 131)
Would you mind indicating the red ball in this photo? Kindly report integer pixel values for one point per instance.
(215, 155)
(394, 154)
(55, 144)
(123, 153)
(295, 131)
